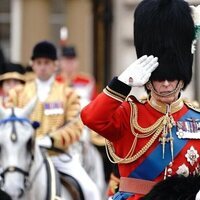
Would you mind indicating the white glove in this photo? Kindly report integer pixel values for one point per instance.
(139, 72)
(44, 142)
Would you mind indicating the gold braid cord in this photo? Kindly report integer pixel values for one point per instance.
(152, 131)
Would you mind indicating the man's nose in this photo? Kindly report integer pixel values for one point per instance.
(166, 83)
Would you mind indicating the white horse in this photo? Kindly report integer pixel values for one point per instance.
(24, 168)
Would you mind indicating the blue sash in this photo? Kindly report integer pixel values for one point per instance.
(153, 165)
(156, 155)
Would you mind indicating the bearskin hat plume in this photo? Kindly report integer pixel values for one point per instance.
(165, 29)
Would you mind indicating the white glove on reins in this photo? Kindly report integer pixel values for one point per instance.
(139, 72)
(44, 142)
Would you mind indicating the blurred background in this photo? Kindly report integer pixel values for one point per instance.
(101, 30)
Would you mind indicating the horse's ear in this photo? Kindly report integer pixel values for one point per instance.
(27, 110)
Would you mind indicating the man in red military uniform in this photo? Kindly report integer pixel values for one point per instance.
(158, 137)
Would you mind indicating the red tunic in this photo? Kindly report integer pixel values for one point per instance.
(110, 116)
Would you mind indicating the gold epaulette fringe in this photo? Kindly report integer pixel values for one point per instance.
(194, 105)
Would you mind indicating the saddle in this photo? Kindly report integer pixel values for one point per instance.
(54, 184)
(72, 185)
(55, 179)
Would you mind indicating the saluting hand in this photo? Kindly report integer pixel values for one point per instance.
(139, 72)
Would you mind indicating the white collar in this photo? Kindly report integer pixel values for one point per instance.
(44, 87)
(46, 82)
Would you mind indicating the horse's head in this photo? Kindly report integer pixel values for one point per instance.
(16, 148)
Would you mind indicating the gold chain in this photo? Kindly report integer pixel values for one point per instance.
(153, 130)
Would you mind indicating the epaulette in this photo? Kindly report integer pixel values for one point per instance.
(194, 105)
(84, 77)
(143, 99)
(133, 99)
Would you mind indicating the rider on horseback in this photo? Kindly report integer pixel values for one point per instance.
(57, 109)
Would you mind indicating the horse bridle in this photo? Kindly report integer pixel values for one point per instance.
(11, 169)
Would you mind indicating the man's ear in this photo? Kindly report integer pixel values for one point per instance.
(182, 84)
(149, 85)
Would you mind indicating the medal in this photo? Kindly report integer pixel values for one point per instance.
(189, 129)
(183, 170)
(53, 108)
(192, 155)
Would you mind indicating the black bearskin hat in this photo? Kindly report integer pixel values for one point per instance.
(69, 52)
(165, 29)
(44, 49)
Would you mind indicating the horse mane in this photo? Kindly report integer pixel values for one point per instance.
(175, 188)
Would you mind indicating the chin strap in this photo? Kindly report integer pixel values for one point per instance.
(169, 94)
